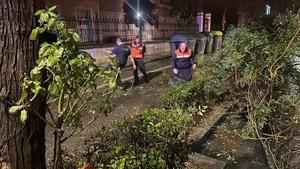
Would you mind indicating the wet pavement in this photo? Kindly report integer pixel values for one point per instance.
(152, 64)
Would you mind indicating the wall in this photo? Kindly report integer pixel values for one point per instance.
(68, 8)
(155, 49)
(111, 5)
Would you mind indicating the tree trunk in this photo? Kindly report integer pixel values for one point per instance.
(58, 161)
(21, 146)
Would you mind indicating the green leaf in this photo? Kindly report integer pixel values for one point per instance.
(58, 78)
(42, 30)
(44, 17)
(48, 52)
(14, 109)
(76, 37)
(60, 26)
(43, 49)
(34, 33)
(157, 125)
(24, 115)
(35, 70)
(24, 93)
(53, 89)
(58, 53)
(54, 15)
(39, 12)
(51, 21)
(118, 149)
(75, 62)
(59, 81)
(52, 60)
(36, 77)
(52, 8)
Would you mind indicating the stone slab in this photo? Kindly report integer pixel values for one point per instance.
(199, 159)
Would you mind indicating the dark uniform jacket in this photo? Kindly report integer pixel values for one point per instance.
(183, 60)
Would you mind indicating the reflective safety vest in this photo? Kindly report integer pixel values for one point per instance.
(186, 54)
(182, 60)
(137, 51)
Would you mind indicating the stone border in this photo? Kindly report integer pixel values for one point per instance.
(200, 138)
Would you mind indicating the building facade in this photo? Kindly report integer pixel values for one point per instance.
(100, 21)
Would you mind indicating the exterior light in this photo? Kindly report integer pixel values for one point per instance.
(138, 15)
(268, 9)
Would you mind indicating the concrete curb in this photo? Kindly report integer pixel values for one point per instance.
(200, 138)
(199, 159)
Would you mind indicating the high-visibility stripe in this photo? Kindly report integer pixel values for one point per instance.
(186, 54)
(183, 56)
(137, 56)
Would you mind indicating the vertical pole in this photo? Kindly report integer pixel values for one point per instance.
(200, 21)
(207, 22)
(139, 20)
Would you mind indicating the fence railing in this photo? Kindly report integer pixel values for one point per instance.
(99, 30)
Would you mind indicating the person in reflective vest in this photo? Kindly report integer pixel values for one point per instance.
(183, 63)
(137, 54)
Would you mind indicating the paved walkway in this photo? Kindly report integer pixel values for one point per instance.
(153, 63)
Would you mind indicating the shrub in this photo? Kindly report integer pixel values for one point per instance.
(152, 139)
(204, 89)
(257, 67)
(182, 95)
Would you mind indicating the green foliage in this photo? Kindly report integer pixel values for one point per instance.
(296, 118)
(62, 71)
(208, 74)
(151, 139)
(66, 76)
(182, 95)
(256, 67)
(204, 89)
(184, 15)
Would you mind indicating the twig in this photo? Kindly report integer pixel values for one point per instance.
(273, 74)
(49, 111)
(81, 129)
(60, 102)
(44, 120)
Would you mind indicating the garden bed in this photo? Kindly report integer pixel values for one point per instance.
(219, 144)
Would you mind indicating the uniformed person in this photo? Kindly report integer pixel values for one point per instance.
(183, 63)
(137, 54)
(122, 52)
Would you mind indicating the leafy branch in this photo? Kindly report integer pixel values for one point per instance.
(256, 68)
(71, 81)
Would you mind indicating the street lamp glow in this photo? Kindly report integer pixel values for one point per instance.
(138, 15)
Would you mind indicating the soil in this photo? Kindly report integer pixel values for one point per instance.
(200, 127)
(223, 144)
(225, 141)
(137, 98)
(207, 119)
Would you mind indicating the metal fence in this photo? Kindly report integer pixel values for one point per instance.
(99, 30)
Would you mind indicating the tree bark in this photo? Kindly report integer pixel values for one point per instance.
(58, 161)
(22, 146)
